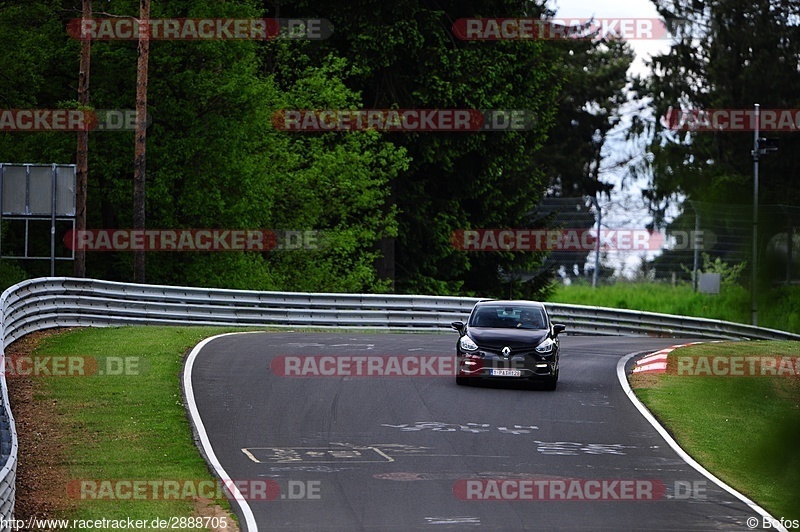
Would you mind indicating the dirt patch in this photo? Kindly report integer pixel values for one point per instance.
(208, 508)
(42, 469)
(643, 380)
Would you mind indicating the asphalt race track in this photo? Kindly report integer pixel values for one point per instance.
(413, 453)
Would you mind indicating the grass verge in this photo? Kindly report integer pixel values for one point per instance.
(779, 308)
(116, 427)
(743, 429)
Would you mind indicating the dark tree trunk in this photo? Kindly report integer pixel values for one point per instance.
(82, 159)
(139, 165)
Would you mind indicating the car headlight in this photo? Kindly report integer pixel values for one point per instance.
(546, 347)
(467, 344)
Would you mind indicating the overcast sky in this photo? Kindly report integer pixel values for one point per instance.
(608, 9)
(626, 209)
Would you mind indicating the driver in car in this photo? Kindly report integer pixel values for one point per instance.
(528, 320)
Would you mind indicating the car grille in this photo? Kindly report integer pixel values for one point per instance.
(514, 352)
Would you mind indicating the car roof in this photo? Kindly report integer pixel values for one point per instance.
(511, 302)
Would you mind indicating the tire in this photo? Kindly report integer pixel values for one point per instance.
(551, 383)
(463, 381)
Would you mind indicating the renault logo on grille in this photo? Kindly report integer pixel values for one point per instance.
(506, 351)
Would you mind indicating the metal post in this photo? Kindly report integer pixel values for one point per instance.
(27, 205)
(27, 190)
(597, 249)
(789, 244)
(696, 249)
(53, 223)
(789, 237)
(753, 302)
(2, 185)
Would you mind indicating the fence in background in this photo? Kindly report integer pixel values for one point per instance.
(722, 230)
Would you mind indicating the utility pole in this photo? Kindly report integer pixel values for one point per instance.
(696, 251)
(753, 301)
(139, 165)
(597, 249)
(761, 146)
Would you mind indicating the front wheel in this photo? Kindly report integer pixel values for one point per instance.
(462, 381)
(552, 382)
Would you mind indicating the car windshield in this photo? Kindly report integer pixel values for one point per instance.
(508, 317)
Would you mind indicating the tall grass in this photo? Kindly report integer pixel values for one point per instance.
(778, 308)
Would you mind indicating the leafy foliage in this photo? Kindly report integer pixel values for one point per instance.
(214, 160)
(729, 275)
(729, 54)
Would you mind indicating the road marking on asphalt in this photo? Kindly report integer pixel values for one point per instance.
(410, 476)
(390, 449)
(412, 451)
(368, 346)
(306, 469)
(316, 455)
(304, 344)
(475, 428)
(566, 448)
(453, 520)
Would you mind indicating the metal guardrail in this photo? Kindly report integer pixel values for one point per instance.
(44, 303)
(617, 322)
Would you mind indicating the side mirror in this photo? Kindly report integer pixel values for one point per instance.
(459, 326)
(558, 328)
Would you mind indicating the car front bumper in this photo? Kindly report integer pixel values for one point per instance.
(489, 366)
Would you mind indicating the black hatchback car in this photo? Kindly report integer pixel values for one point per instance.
(508, 340)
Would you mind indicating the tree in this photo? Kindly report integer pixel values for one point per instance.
(82, 169)
(404, 55)
(593, 91)
(588, 110)
(729, 54)
(140, 151)
(214, 159)
(139, 155)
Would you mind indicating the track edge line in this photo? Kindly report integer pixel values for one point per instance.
(626, 387)
(202, 435)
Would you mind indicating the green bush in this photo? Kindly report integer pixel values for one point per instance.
(10, 274)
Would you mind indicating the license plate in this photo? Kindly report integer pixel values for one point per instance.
(506, 373)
